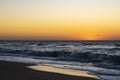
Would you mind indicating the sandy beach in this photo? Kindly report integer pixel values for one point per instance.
(19, 71)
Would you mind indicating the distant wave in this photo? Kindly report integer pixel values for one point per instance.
(64, 55)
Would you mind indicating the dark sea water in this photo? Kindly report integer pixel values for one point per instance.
(101, 58)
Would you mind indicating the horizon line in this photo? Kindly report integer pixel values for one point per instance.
(60, 40)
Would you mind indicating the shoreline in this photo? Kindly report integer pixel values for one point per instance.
(63, 71)
(19, 71)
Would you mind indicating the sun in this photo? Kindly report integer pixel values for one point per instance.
(92, 37)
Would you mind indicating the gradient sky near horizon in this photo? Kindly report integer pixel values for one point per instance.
(60, 19)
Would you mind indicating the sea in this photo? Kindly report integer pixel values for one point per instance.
(100, 58)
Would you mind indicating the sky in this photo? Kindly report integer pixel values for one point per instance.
(59, 19)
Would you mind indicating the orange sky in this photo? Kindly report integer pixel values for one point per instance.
(60, 19)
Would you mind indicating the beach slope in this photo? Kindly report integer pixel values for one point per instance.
(19, 71)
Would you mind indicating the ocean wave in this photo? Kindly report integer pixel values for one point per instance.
(76, 56)
(99, 57)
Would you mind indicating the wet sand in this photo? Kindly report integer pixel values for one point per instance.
(63, 71)
(19, 71)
